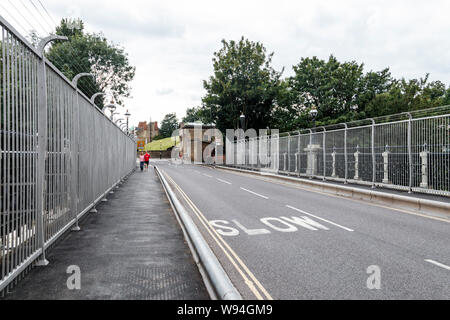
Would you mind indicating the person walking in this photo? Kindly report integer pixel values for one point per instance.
(147, 160)
(142, 160)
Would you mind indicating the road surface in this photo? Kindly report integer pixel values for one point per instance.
(283, 242)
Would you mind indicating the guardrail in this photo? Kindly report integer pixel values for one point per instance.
(60, 155)
(409, 151)
(212, 271)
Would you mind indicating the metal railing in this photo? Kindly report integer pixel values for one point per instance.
(409, 151)
(60, 155)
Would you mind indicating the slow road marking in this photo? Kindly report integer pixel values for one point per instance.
(249, 278)
(319, 218)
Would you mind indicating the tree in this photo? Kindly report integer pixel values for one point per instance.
(244, 82)
(412, 95)
(331, 86)
(92, 53)
(168, 125)
(192, 115)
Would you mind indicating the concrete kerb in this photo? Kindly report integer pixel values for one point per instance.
(213, 274)
(423, 206)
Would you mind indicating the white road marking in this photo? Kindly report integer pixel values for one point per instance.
(438, 264)
(224, 181)
(319, 218)
(256, 194)
(207, 175)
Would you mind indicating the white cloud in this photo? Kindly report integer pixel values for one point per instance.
(172, 42)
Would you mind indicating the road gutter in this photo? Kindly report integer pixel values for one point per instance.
(216, 279)
(431, 208)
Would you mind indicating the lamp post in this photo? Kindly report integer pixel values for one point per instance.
(112, 107)
(76, 151)
(313, 113)
(127, 116)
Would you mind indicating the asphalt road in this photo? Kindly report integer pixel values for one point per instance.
(283, 242)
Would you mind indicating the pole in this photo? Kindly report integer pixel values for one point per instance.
(410, 152)
(42, 146)
(76, 150)
(374, 162)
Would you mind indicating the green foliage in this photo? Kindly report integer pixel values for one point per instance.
(243, 83)
(92, 53)
(192, 115)
(409, 95)
(168, 125)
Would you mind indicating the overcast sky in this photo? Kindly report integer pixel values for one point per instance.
(172, 42)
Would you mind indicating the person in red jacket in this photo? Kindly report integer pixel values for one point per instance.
(147, 160)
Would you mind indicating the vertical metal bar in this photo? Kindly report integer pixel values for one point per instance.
(324, 154)
(4, 155)
(75, 154)
(346, 153)
(42, 154)
(374, 173)
(289, 154)
(410, 158)
(299, 142)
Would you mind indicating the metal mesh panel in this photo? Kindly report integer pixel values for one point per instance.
(59, 154)
(18, 77)
(370, 153)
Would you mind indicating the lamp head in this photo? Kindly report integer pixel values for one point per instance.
(313, 112)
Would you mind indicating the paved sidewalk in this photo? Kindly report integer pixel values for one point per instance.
(132, 249)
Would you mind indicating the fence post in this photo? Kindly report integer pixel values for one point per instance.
(42, 146)
(324, 154)
(299, 150)
(333, 155)
(76, 150)
(424, 164)
(410, 158)
(386, 165)
(309, 162)
(357, 153)
(374, 162)
(345, 153)
(289, 154)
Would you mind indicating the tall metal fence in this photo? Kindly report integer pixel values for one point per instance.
(60, 155)
(409, 151)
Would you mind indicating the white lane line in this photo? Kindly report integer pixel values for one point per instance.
(207, 175)
(224, 181)
(256, 194)
(319, 218)
(438, 264)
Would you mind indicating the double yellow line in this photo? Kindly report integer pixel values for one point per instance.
(249, 278)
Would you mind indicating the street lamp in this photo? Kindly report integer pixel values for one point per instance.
(127, 116)
(313, 113)
(112, 107)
